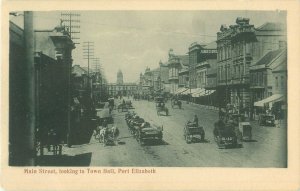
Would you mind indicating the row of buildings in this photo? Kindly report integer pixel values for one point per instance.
(246, 67)
(40, 95)
(89, 84)
(47, 93)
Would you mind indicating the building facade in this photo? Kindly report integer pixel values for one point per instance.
(176, 63)
(120, 88)
(239, 46)
(52, 100)
(268, 80)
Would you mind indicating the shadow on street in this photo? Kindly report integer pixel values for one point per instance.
(65, 160)
(84, 132)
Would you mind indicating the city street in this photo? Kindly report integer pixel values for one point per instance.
(267, 149)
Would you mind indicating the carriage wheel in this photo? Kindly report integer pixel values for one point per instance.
(202, 136)
(105, 141)
(188, 138)
(139, 139)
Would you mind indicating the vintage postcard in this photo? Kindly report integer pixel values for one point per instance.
(150, 96)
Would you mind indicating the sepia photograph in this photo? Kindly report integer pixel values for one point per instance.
(134, 88)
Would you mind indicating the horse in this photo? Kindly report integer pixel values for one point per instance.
(109, 135)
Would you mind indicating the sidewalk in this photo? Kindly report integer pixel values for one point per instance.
(79, 154)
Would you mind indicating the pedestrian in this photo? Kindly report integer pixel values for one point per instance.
(104, 124)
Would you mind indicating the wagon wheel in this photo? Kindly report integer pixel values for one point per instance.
(100, 139)
(188, 138)
(105, 141)
(160, 137)
(202, 136)
(139, 139)
(184, 133)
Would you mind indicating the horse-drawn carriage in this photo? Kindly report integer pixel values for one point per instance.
(266, 120)
(128, 104)
(148, 131)
(122, 107)
(225, 134)
(176, 102)
(242, 126)
(192, 129)
(107, 135)
(50, 140)
(134, 124)
(160, 106)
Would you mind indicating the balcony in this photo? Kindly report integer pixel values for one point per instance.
(235, 81)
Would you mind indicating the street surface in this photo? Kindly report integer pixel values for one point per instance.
(268, 148)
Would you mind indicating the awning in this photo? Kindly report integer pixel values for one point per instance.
(186, 92)
(203, 92)
(271, 99)
(198, 92)
(208, 92)
(178, 90)
(181, 90)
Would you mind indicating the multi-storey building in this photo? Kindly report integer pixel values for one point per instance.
(52, 51)
(198, 63)
(238, 47)
(175, 64)
(121, 88)
(268, 80)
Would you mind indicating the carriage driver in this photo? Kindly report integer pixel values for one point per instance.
(195, 120)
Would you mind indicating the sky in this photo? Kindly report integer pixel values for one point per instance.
(133, 40)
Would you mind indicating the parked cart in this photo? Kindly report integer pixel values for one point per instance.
(191, 130)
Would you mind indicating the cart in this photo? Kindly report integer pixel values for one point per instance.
(245, 131)
(266, 120)
(192, 129)
(176, 102)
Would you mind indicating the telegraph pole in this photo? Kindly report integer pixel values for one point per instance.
(29, 135)
(88, 53)
(97, 65)
(97, 71)
(71, 20)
